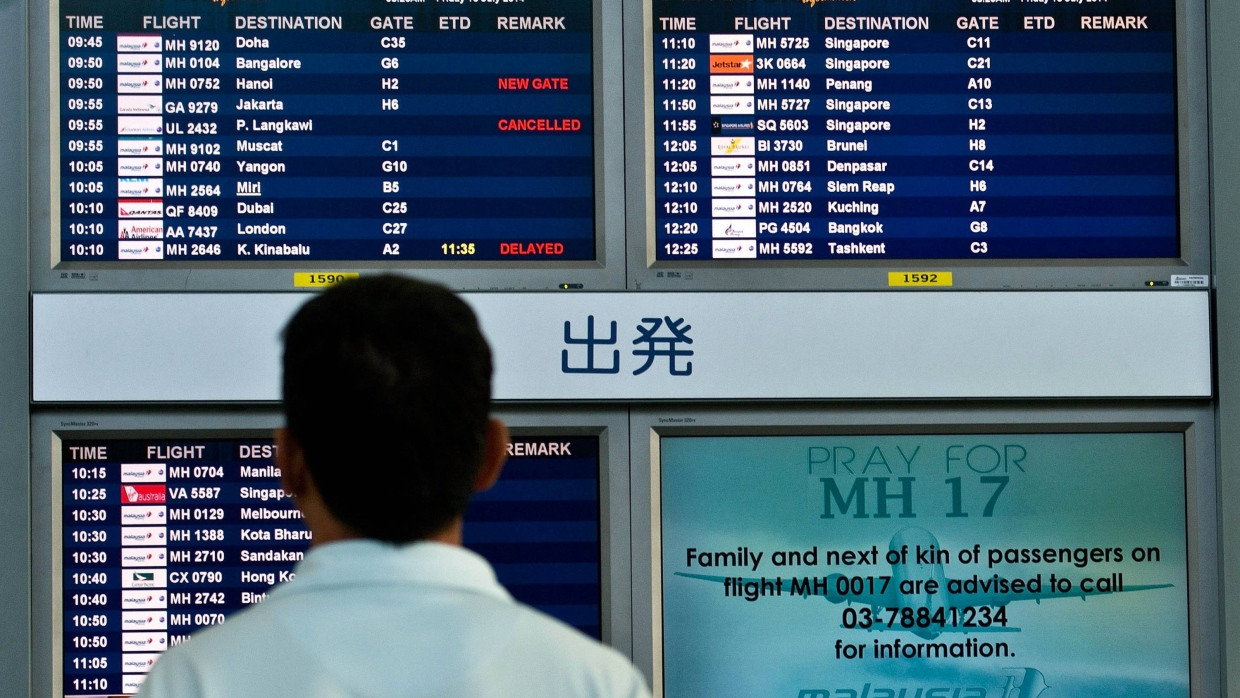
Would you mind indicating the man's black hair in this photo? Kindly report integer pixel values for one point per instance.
(387, 387)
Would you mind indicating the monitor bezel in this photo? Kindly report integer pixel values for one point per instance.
(1195, 420)
(49, 427)
(1193, 184)
(604, 272)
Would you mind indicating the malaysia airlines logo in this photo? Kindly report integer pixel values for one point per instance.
(731, 43)
(139, 43)
(731, 105)
(137, 84)
(729, 85)
(1032, 684)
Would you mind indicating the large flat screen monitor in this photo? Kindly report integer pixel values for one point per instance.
(895, 144)
(472, 141)
(930, 552)
(149, 531)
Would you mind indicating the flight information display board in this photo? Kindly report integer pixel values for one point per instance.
(161, 537)
(896, 129)
(227, 131)
(924, 565)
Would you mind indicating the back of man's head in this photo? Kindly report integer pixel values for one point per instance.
(387, 388)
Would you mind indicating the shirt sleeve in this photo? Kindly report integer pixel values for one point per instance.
(173, 676)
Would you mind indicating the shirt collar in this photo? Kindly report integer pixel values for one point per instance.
(361, 562)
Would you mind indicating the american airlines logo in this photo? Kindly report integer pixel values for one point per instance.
(140, 230)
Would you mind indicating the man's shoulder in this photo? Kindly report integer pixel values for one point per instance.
(540, 642)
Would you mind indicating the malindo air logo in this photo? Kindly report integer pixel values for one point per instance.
(1019, 682)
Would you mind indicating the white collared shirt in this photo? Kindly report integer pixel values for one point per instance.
(366, 618)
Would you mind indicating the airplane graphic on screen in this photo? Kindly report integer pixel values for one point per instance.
(905, 601)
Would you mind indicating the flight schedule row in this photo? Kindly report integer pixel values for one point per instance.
(980, 130)
(436, 131)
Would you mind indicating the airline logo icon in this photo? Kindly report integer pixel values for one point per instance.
(139, 187)
(139, 104)
(139, 43)
(732, 186)
(731, 43)
(144, 642)
(139, 84)
(138, 516)
(140, 208)
(732, 167)
(139, 125)
(734, 250)
(731, 64)
(734, 145)
(731, 85)
(131, 683)
(140, 230)
(140, 167)
(144, 600)
(138, 663)
(143, 494)
(144, 557)
(139, 147)
(144, 579)
(731, 125)
(144, 620)
(733, 208)
(144, 472)
(743, 228)
(139, 63)
(143, 535)
(731, 105)
(140, 250)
